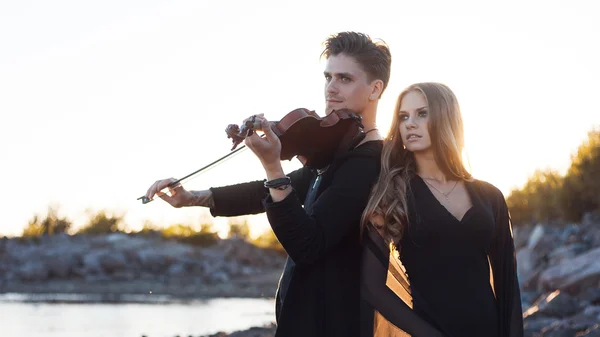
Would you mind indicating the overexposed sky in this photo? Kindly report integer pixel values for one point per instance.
(98, 99)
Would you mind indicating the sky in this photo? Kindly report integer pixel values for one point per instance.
(99, 99)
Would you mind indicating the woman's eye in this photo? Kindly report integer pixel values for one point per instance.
(423, 113)
(403, 117)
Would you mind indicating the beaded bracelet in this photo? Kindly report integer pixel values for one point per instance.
(278, 184)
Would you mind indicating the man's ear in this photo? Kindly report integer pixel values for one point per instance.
(377, 90)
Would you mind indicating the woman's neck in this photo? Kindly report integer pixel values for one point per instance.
(427, 168)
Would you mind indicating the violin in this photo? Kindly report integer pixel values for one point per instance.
(302, 133)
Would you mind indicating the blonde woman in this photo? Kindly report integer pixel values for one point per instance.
(438, 256)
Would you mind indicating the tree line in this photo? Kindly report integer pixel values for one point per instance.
(102, 223)
(551, 198)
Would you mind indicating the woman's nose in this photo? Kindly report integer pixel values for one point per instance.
(410, 123)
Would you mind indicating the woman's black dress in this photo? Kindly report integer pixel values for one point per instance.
(455, 277)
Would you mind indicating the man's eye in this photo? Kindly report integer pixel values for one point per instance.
(327, 78)
(345, 79)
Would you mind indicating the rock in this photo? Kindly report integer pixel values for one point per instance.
(266, 331)
(535, 235)
(177, 270)
(566, 252)
(534, 325)
(33, 271)
(101, 277)
(590, 234)
(123, 275)
(153, 260)
(584, 319)
(555, 304)
(591, 295)
(521, 236)
(527, 262)
(248, 270)
(573, 275)
(124, 264)
(117, 238)
(594, 331)
(528, 297)
(558, 330)
(112, 262)
(91, 262)
(60, 266)
(58, 240)
(219, 277)
(158, 259)
(591, 218)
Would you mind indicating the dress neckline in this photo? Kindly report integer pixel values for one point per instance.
(435, 200)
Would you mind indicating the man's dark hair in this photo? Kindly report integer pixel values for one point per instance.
(373, 56)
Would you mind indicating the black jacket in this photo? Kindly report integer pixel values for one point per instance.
(321, 236)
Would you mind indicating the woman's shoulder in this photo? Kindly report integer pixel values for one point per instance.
(487, 189)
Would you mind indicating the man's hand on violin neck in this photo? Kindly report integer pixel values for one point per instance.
(267, 148)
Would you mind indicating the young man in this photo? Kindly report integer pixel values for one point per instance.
(315, 214)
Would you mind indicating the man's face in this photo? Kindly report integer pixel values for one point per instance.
(346, 84)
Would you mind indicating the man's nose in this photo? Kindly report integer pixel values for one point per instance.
(331, 87)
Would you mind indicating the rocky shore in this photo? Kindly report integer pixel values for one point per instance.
(558, 267)
(115, 267)
(266, 331)
(559, 274)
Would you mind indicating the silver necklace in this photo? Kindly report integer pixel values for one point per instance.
(442, 193)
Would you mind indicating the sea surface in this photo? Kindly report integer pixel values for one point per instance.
(77, 315)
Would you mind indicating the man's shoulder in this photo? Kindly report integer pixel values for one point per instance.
(363, 161)
(372, 147)
(368, 153)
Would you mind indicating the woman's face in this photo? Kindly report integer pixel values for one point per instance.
(413, 119)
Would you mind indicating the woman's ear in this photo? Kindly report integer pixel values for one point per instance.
(377, 90)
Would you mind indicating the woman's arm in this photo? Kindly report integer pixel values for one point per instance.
(504, 270)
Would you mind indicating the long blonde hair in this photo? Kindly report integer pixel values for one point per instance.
(388, 199)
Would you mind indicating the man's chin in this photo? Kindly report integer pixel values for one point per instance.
(329, 108)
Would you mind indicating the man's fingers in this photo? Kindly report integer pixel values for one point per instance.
(166, 197)
(174, 189)
(151, 191)
(251, 141)
(269, 133)
(158, 186)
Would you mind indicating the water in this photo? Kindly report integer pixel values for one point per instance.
(73, 316)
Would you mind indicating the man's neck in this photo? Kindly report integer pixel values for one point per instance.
(369, 124)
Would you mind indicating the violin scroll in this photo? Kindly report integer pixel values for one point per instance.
(238, 134)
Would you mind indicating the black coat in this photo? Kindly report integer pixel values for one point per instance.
(321, 236)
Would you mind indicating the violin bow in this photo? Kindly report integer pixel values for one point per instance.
(250, 126)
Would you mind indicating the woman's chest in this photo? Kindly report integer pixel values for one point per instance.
(464, 223)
